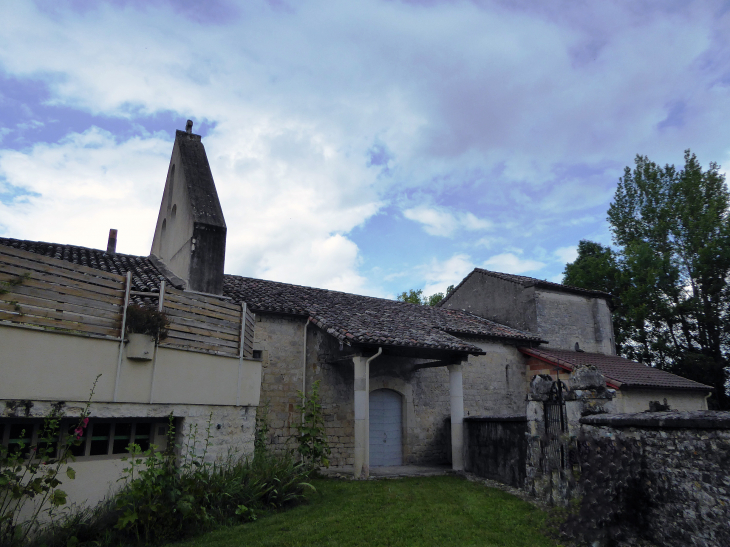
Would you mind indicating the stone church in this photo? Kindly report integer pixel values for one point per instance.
(396, 379)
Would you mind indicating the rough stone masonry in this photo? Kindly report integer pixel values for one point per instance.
(660, 476)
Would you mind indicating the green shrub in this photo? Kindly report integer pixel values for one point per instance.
(172, 494)
(162, 501)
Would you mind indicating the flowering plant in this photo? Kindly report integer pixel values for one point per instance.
(79, 431)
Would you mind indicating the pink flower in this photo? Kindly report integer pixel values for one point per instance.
(79, 431)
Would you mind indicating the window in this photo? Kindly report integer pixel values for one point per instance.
(100, 439)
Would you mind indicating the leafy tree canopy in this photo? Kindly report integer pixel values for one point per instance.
(417, 297)
(669, 272)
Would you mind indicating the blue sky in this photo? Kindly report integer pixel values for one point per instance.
(365, 146)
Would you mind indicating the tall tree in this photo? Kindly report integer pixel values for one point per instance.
(672, 231)
(417, 297)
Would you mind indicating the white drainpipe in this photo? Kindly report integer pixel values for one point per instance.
(380, 350)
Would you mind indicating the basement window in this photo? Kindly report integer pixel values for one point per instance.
(100, 439)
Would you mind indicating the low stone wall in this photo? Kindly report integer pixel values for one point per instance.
(662, 476)
(495, 447)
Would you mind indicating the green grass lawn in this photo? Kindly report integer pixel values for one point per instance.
(448, 510)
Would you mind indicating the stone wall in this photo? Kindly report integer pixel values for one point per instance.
(430, 438)
(663, 477)
(497, 299)
(332, 367)
(494, 383)
(234, 437)
(495, 447)
(284, 374)
(281, 341)
(564, 319)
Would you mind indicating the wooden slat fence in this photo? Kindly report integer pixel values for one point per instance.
(58, 295)
(201, 322)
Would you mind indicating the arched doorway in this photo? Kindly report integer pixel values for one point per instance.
(386, 426)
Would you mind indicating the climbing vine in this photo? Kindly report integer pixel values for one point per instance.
(312, 438)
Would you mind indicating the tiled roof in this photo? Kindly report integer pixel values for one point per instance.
(348, 317)
(368, 320)
(145, 277)
(528, 282)
(621, 372)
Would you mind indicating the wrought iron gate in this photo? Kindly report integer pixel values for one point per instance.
(554, 449)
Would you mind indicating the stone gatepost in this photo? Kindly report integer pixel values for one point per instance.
(552, 464)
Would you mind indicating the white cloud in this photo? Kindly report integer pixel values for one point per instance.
(90, 182)
(439, 221)
(435, 221)
(566, 254)
(471, 222)
(84, 185)
(440, 274)
(508, 103)
(511, 263)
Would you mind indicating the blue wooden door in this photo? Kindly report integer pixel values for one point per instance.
(385, 428)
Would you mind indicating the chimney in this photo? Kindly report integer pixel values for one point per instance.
(189, 126)
(111, 246)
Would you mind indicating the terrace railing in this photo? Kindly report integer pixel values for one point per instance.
(55, 295)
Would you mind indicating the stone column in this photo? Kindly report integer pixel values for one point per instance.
(362, 417)
(456, 390)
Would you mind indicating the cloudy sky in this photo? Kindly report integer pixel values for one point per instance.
(367, 146)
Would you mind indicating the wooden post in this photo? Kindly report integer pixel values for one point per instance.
(240, 352)
(121, 337)
(160, 305)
